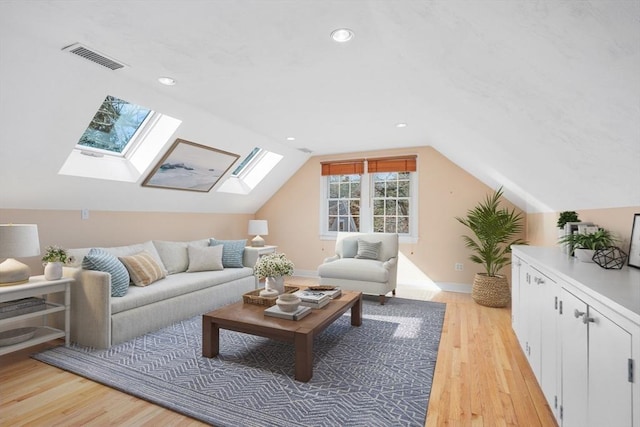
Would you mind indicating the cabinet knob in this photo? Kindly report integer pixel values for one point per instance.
(578, 314)
(587, 319)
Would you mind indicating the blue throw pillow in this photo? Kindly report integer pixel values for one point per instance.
(232, 252)
(101, 260)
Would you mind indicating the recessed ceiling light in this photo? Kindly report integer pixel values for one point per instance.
(167, 81)
(291, 138)
(401, 125)
(342, 35)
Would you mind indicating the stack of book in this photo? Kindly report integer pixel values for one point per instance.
(299, 313)
(313, 299)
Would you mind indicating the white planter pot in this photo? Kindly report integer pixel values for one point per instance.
(53, 271)
(584, 255)
(276, 283)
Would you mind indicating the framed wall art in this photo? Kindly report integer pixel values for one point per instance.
(190, 166)
(634, 246)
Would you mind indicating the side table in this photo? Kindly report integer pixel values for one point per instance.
(37, 286)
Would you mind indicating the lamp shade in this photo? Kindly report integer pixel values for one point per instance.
(19, 240)
(258, 227)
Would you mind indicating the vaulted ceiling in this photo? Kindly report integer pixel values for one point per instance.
(542, 97)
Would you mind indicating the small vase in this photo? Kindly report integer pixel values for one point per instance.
(53, 271)
(288, 302)
(276, 283)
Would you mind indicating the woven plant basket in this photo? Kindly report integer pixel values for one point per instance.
(491, 291)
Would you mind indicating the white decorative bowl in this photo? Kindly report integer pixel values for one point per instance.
(288, 302)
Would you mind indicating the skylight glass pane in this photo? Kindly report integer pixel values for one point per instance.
(114, 125)
(237, 171)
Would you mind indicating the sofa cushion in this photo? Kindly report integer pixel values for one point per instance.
(142, 268)
(367, 270)
(118, 251)
(232, 252)
(101, 260)
(177, 284)
(205, 259)
(175, 255)
(368, 250)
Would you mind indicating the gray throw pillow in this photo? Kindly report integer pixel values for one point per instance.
(205, 259)
(368, 250)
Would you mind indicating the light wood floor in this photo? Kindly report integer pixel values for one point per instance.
(482, 379)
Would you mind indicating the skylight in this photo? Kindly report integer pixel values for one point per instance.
(250, 171)
(114, 127)
(120, 143)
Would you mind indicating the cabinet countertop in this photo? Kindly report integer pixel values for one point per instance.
(617, 289)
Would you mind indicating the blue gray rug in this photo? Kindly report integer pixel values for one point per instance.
(379, 374)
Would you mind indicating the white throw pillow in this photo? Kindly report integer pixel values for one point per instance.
(207, 258)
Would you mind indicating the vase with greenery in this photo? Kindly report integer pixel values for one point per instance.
(565, 217)
(53, 259)
(588, 241)
(495, 229)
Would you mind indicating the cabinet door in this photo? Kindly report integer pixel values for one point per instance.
(533, 301)
(610, 391)
(548, 299)
(516, 264)
(574, 348)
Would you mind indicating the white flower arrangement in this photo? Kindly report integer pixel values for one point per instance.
(273, 265)
(56, 254)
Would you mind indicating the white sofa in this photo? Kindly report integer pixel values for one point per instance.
(99, 320)
(351, 268)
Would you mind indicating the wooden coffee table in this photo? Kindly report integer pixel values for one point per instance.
(250, 319)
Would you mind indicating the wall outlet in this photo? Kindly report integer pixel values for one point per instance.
(84, 213)
(459, 266)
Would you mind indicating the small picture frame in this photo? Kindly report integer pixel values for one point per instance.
(190, 166)
(634, 245)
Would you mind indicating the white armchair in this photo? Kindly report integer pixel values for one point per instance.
(365, 262)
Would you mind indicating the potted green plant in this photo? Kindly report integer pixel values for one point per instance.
(565, 217)
(495, 230)
(53, 259)
(583, 245)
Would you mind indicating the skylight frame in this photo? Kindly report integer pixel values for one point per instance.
(250, 162)
(138, 136)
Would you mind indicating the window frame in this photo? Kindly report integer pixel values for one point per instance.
(366, 206)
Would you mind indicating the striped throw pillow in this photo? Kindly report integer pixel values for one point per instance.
(100, 260)
(143, 269)
(368, 250)
(232, 252)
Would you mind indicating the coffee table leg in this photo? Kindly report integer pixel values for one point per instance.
(303, 341)
(356, 312)
(210, 338)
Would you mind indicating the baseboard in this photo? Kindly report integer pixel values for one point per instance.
(463, 288)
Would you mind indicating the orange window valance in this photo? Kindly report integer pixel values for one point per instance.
(392, 164)
(343, 167)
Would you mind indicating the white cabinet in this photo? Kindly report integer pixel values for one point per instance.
(596, 355)
(579, 326)
(535, 319)
(37, 286)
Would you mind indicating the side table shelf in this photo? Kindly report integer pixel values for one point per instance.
(37, 286)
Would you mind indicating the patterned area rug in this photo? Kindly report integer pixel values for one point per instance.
(379, 374)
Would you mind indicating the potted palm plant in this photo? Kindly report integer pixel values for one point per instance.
(495, 230)
(583, 245)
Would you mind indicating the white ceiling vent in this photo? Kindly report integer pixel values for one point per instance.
(305, 150)
(91, 55)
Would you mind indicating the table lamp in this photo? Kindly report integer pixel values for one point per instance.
(258, 227)
(17, 240)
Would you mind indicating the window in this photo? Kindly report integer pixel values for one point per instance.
(120, 143)
(114, 127)
(381, 197)
(344, 203)
(250, 172)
